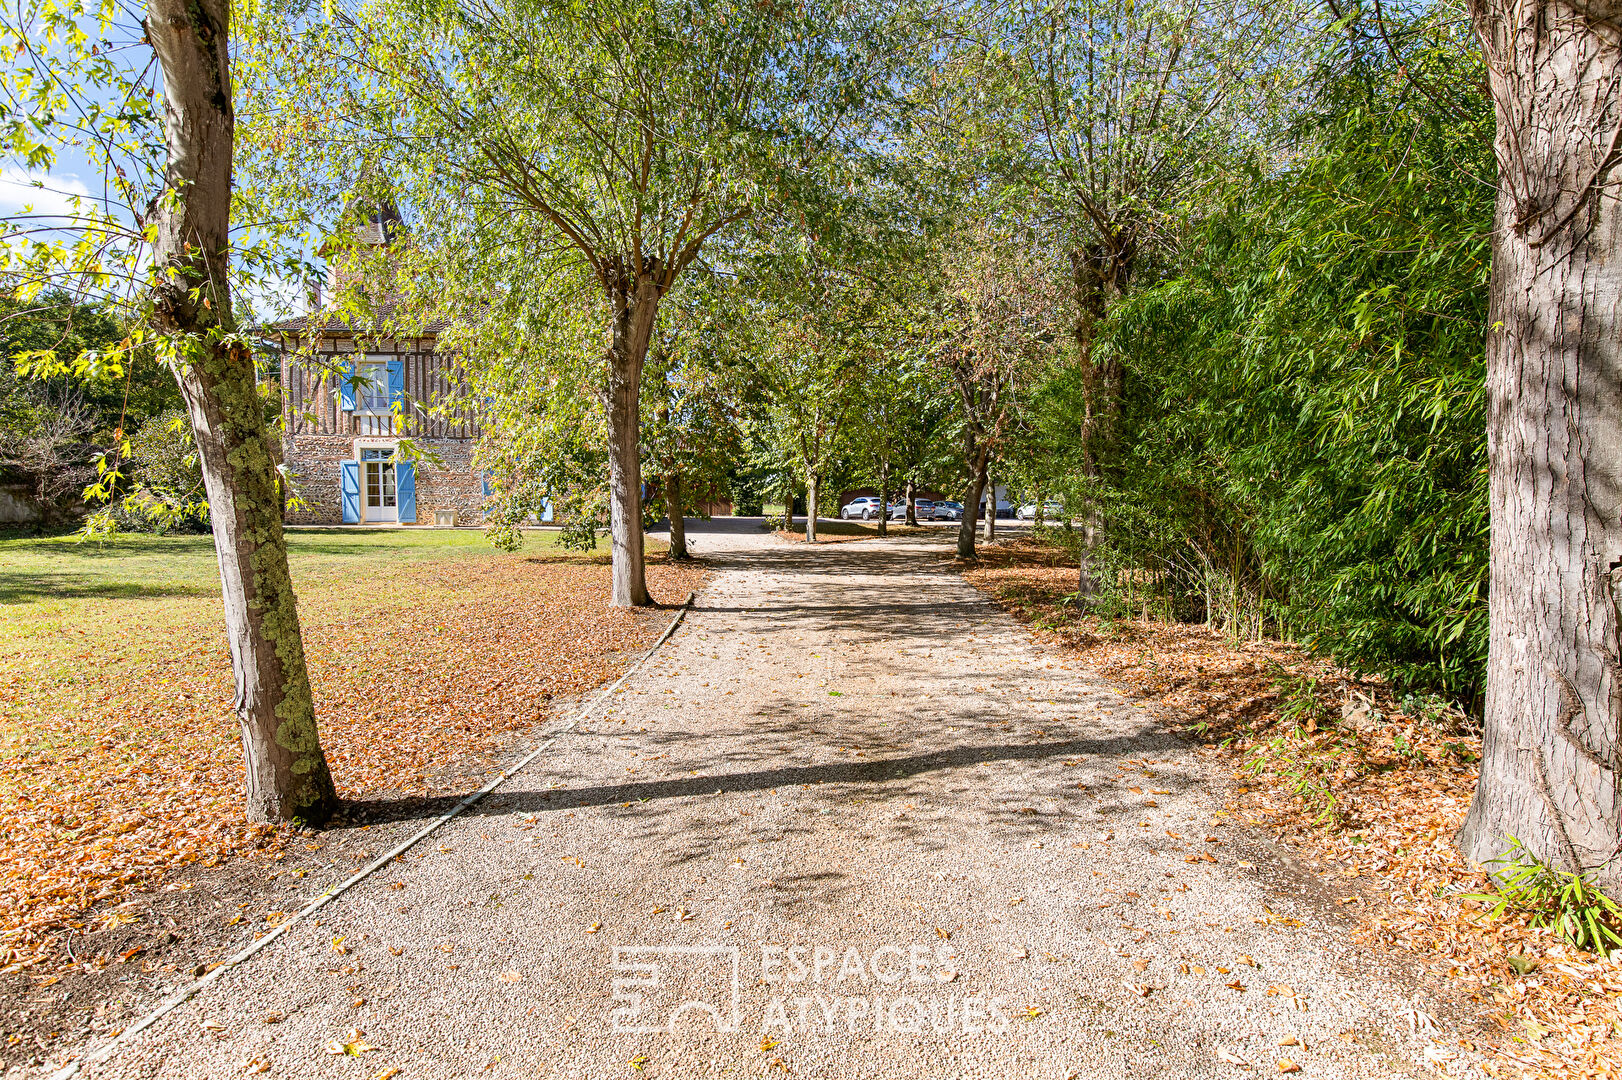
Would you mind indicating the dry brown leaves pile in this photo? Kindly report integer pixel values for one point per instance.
(138, 770)
(1396, 806)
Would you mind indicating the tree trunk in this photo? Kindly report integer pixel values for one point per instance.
(287, 774)
(1550, 749)
(1100, 273)
(991, 508)
(979, 464)
(1086, 580)
(635, 297)
(673, 510)
(912, 502)
(884, 498)
(811, 479)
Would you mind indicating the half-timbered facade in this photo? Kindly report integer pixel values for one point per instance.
(345, 407)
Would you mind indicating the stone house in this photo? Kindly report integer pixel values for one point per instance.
(346, 408)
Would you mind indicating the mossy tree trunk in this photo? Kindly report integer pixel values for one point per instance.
(287, 775)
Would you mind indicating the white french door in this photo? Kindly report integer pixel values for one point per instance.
(377, 485)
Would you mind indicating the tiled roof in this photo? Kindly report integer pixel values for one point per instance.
(335, 327)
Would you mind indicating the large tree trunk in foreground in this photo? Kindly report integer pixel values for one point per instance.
(1550, 758)
(673, 510)
(979, 464)
(634, 294)
(287, 775)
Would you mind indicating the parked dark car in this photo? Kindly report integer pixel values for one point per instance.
(925, 508)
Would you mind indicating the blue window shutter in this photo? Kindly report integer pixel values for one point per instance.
(405, 489)
(346, 388)
(350, 488)
(484, 484)
(397, 383)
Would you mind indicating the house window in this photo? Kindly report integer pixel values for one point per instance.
(378, 494)
(374, 406)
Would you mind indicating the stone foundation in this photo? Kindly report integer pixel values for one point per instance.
(450, 485)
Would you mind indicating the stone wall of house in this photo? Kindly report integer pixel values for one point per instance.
(451, 485)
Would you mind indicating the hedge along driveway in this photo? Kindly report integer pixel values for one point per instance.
(120, 758)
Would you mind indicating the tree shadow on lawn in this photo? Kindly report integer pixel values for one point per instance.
(26, 588)
(122, 546)
(871, 774)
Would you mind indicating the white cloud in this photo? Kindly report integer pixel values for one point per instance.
(52, 197)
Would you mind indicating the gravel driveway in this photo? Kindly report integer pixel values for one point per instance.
(850, 822)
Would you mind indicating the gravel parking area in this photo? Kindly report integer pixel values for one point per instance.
(851, 821)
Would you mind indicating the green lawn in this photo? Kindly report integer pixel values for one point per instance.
(119, 753)
(61, 568)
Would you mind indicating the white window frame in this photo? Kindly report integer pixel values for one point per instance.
(385, 513)
(374, 405)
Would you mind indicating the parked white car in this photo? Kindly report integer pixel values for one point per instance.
(865, 507)
(1051, 511)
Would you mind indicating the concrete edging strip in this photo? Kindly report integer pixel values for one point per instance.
(189, 991)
